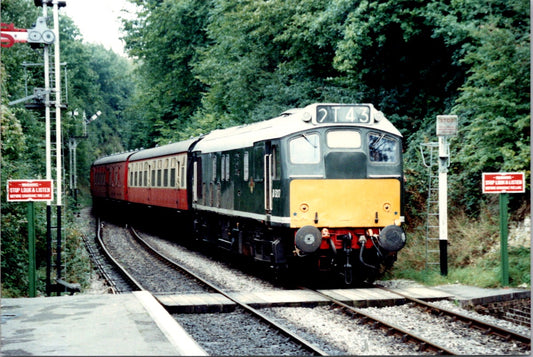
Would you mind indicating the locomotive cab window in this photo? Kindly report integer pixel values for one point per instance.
(305, 149)
(382, 148)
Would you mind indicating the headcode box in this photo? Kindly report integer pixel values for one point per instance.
(29, 190)
(503, 182)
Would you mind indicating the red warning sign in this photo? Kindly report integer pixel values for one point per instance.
(29, 190)
(503, 182)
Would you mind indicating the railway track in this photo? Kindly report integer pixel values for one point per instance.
(305, 345)
(424, 343)
(299, 344)
(402, 335)
(113, 273)
(471, 322)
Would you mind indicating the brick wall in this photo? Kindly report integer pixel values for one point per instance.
(516, 311)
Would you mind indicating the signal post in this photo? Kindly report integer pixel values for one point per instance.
(446, 127)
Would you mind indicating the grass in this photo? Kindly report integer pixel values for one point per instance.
(473, 256)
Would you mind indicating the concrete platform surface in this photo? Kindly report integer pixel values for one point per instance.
(127, 324)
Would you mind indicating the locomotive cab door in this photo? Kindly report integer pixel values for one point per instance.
(267, 179)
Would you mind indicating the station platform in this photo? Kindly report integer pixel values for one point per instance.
(471, 295)
(126, 324)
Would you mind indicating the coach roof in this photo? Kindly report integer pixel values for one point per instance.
(164, 150)
(113, 159)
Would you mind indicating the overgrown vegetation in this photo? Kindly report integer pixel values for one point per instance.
(200, 65)
(473, 255)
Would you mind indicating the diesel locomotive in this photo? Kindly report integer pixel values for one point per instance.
(320, 187)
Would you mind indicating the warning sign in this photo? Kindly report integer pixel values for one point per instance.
(504, 182)
(29, 190)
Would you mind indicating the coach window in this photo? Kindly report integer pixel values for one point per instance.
(146, 168)
(305, 149)
(182, 174)
(159, 173)
(173, 172)
(382, 148)
(152, 182)
(165, 173)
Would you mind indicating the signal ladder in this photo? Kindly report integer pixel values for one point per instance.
(431, 152)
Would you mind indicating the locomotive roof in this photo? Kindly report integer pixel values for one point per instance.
(289, 122)
(165, 150)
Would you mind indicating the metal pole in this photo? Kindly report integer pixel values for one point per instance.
(504, 199)
(48, 149)
(31, 249)
(58, 134)
(443, 204)
(75, 174)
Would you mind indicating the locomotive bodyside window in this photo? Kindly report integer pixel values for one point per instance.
(246, 166)
(382, 148)
(305, 149)
(227, 173)
(276, 164)
(223, 167)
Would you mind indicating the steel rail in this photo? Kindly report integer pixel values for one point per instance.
(389, 327)
(97, 260)
(297, 339)
(472, 322)
(123, 272)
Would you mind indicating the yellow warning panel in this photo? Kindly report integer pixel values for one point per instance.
(345, 203)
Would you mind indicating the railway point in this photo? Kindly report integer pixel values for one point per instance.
(136, 324)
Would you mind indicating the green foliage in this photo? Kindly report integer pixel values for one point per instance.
(495, 103)
(97, 80)
(473, 255)
(166, 39)
(199, 65)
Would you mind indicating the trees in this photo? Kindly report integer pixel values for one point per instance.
(98, 80)
(206, 64)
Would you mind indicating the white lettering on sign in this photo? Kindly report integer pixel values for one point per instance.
(29, 190)
(509, 182)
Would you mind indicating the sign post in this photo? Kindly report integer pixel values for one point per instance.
(504, 183)
(30, 191)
